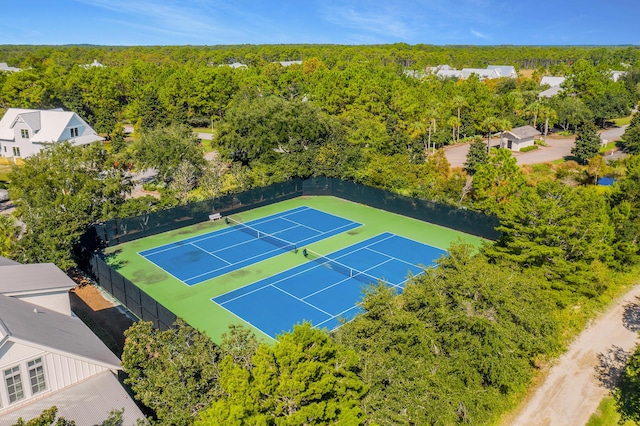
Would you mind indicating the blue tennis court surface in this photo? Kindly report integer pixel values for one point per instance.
(207, 256)
(323, 290)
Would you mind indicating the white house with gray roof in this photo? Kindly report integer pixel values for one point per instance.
(49, 357)
(6, 68)
(519, 137)
(25, 132)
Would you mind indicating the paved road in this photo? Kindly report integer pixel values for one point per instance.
(557, 148)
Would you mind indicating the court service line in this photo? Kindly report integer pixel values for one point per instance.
(301, 300)
(303, 225)
(262, 254)
(394, 258)
(236, 263)
(212, 254)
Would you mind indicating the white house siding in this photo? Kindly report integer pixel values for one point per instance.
(25, 145)
(56, 301)
(517, 146)
(65, 371)
(60, 371)
(12, 355)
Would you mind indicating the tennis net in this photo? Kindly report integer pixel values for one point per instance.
(256, 233)
(340, 267)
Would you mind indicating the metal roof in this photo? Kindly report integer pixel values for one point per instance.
(5, 262)
(87, 403)
(21, 279)
(550, 92)
(53, 332)
(552, 81)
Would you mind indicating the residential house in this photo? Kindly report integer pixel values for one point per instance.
(552, 81)
(554, 84)
(615, 75)
(6, 68)
(94, 64)
(25, 132)
(449, 73)
(519, 137)
(289, 63)
(507, 71)
(482, 73)
(48, 357)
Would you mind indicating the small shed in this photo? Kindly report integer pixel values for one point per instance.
(519, 137)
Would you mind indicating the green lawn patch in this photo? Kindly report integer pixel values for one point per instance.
(607, 414)
(623, 121)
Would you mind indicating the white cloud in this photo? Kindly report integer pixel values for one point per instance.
(381, 21)
(479, 34)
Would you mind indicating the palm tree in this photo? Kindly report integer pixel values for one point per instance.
(458, 102)
(432, 115)
(454, 123)
(492, 124)
(534, 110)
(547, 113)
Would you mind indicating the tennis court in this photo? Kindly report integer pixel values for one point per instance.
(325, 289)
(197, 259)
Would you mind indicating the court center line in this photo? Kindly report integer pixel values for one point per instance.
(212, 254)
(238, 263)
(303, 225)
(301, 300)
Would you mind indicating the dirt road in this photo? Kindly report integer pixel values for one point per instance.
(580, 379)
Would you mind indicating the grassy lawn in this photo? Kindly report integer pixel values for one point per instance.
(609, 146)
(203, 130)
(607, 415)
(4, 173)
(622, 121)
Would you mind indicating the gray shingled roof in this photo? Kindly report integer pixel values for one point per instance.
(32, 278)
(523, 132)
(87, 403)
(54, 332)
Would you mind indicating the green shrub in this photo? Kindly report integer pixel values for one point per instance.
(529, 148)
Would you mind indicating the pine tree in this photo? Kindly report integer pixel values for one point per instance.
(477, 155)
(587, 143)
(631, 136)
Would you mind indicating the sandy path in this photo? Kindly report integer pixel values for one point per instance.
(580, 379)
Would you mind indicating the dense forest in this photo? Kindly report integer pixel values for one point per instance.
(464, 341)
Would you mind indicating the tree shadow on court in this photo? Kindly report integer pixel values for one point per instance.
(109, 259)
(611, 363)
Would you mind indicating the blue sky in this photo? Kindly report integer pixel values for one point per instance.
(211, 22)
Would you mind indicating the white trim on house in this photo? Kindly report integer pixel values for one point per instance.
(25, 132)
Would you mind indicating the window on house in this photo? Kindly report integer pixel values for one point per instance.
(14, 384)
(74, 132)
(36, 376)
(16, 151)
(24, 133)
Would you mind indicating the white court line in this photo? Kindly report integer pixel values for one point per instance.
(210, 253)
(245, 320)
